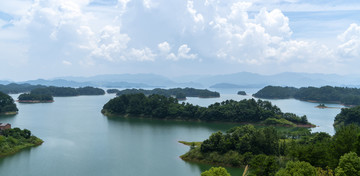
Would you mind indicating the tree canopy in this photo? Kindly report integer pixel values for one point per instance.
(7, 104)
(175, 92)
(344, 95)
(162, 107)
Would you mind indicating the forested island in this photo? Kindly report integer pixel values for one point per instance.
(180, 93)
(35, 98)
(67, 91)
(343, 95)
(241, 92)
(112, 91)
(162, 107)
(268, 152)
(13, 140)
(7, 105)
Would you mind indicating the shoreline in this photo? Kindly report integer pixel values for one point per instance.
(34, 101)
(128, 116)
(17, 149)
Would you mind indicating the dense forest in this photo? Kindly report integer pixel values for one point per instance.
(13, 140)
(180, 93)
(241, 92)
(7, 104)
(32, 97)
(161, 107)
(347, 116)
(268, 152)
(67, 91)
(14, 88)
(344, 95)
(112, 91)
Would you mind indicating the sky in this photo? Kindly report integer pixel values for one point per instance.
(55, 38)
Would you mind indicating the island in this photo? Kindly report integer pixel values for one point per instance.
(175, 92)
(112, 91)
(67, 91)
(343, 95)
(35, 98)
(241, 92)
(14, 140)
(7, 105)
(268, 151)
(162, 107)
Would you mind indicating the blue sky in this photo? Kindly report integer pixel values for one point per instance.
(53, 38)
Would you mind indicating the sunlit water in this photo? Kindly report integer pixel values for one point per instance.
(80, 141)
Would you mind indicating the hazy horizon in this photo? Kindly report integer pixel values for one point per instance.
(57, 38)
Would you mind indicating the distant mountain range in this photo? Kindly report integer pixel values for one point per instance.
(236, 80)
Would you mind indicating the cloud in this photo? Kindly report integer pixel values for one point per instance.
(350, 39)
(183, 52)
(149, 4)
(65, 62)
(142, 54)
(164, 47)
(264, 39)
(197, 17)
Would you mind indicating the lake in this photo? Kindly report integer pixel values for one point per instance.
(79, 140)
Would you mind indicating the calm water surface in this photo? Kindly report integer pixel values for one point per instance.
(80, 141)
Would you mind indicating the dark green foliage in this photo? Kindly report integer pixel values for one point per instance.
(344, 95)
(18, 88)
(112, 91)
(158, 106)
(7, 104)
(35, 97)
(349, 165)
(297, 168)
(188, 92)
(242, 140)
(266, 153)
(241, 93)
(68, 91)
(276, 92)
(264, 165)
(216, 171)
(347, 116)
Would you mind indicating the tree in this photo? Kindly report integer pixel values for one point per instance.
(216, 171)
(297, 168)
(349, 165)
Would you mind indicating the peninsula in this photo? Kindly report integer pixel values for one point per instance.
(14, 140)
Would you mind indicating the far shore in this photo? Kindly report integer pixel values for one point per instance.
(34, 101)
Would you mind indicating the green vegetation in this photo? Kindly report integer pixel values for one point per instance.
(276, 92)
(7, 104)
(18, 88)
(241, 93)
(35, 98)
(112, 91)
(347, 116)
(161, 107)
(13, 140)
(67, 91)
(344, 95)
(216, 171)
(268, 152)
(176, 92)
